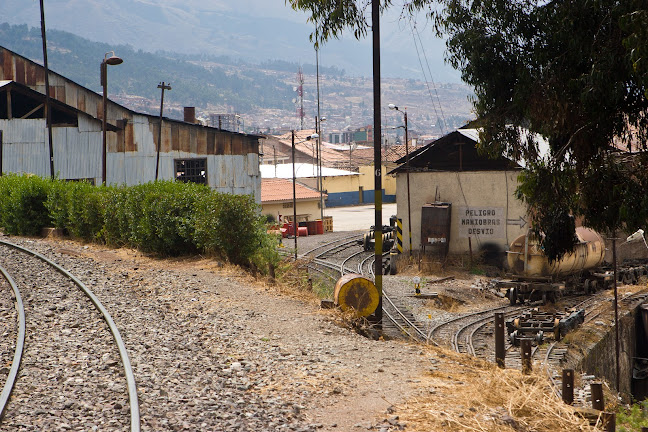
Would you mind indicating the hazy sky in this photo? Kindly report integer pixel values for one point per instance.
(394, 31)
(192, 25)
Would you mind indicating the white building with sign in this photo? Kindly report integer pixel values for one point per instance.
(484, 213)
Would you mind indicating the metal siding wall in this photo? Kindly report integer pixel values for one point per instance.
(229, 174)
(87, 124)
(116, 174)
(254, 176)
(61, 145)
(24, 146)
(218, 170)
(23, 131)
(71, 95)
(138, 169)
(240, 172)
(252, 164)
(143, 137)
(77, 155)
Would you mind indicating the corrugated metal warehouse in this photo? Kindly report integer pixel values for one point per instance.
(226, 161)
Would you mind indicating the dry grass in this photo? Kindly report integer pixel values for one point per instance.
(293, 279)
(467, 394)
(446, 303)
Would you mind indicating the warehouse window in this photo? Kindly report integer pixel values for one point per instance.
(191, 170)
(288, 205)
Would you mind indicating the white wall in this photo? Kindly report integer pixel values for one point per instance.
(493, 191)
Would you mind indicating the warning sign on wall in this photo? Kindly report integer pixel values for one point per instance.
(482, 222)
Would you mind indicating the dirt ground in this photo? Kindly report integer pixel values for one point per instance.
(374, 385)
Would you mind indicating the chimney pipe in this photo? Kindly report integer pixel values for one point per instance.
(190, 114)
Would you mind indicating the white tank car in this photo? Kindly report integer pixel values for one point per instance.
(526, 258)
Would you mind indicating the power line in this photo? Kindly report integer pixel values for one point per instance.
(427, 84)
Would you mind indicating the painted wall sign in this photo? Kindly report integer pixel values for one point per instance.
(482, 222)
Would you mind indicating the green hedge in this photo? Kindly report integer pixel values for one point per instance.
(165, 218)
(22, 204)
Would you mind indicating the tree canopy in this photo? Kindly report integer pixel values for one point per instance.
(573, 72)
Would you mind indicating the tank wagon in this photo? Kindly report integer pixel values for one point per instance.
(534, 277)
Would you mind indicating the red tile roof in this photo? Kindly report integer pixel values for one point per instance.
(278, 190)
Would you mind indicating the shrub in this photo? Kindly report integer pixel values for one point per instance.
(57, 206)
(22, 204)
(85, 205)
(632, 418)
(230, 225)
(162, 216)
(167, 218)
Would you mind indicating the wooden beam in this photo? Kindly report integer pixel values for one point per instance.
(9, 110)
(32, 111)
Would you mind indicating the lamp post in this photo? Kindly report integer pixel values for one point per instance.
(407, 170)
(294, 185)
(112, 60)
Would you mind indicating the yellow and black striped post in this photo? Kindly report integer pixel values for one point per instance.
(399, 235)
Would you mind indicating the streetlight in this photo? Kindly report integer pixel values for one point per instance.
(308, 138)
(407, 169)
(112, 60)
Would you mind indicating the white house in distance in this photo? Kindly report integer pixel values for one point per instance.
(277, 200)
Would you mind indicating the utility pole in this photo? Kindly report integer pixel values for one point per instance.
(48, 110)
(617, 325)
(407, 170)
(318, 127)
(294, 194)
(375, 26)
(162, 86)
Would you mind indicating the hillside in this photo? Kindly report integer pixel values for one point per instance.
(250, 30)
(262, 94)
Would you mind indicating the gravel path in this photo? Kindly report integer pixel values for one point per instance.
(212, 350)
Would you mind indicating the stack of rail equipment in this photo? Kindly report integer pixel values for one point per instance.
(535, 324)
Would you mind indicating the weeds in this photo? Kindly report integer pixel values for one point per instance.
(632, 418)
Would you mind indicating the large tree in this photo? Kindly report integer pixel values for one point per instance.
(571, 71)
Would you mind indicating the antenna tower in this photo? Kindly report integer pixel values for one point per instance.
(300, 97)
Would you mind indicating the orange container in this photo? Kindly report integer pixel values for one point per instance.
(319, 223)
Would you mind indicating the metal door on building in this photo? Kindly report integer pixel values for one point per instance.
(435, 228)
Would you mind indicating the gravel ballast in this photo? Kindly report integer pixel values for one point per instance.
(214, 350)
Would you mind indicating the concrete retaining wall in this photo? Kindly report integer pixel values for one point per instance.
(600, 359)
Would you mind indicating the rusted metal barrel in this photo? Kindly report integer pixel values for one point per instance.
(358, 293)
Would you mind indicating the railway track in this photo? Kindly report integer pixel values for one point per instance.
(348, 256)
(70, 367)
(471, 333)
(461, 331)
